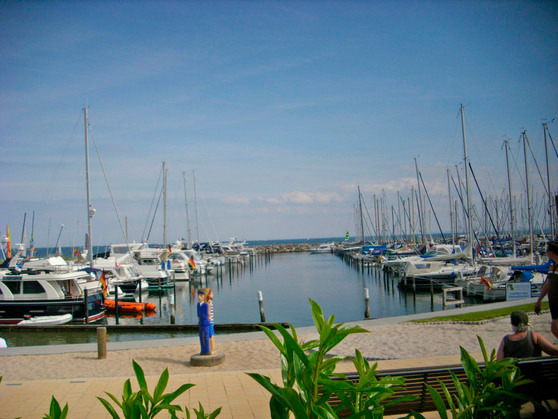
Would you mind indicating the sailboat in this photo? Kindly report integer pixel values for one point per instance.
(56, 290)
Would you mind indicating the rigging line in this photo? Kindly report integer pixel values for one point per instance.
(369, 220)
(154, 214)
(396, 220)
(108, 185)
(519, 171)
(484, 203)
(420, 219)
(465, 209)
(460, 197)
(536, 164)
(552, 142)
(210, 221)
(151, 205)
(47, 192)
(432, 207)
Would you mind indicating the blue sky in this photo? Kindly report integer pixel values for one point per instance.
(281, 108)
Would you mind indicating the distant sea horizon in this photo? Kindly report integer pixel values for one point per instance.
(68, 251)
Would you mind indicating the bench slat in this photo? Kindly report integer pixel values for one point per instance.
(543, 371)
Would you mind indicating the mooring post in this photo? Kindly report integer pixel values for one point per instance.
(101, 342)
(116, 304)
(86, 303)
(260, 301)
(172, 315)
(367, 304)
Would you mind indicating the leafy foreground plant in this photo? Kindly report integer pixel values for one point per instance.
(306, 374)
(366, 397)
(142, 404)
(55, 412)
(490, 393)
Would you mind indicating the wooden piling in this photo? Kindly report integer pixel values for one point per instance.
(101, 342)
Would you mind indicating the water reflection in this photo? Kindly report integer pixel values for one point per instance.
(286, 281)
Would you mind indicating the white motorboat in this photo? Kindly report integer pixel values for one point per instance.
(150, 263)
(46, 320)
(323, 248)
(34, 293)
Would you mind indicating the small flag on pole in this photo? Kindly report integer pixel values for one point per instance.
(191, 262)
(104, 284)
(486, 282)
(347, 236)
(32, 246)
(9, 244)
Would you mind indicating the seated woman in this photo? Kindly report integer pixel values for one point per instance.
(524, 343)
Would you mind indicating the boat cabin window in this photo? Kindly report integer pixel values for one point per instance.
(32, 287)
(13, 286)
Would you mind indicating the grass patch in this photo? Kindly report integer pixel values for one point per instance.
(483, 315)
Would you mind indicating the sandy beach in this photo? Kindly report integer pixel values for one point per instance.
(397, 341)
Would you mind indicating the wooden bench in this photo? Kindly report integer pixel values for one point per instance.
(543, 371)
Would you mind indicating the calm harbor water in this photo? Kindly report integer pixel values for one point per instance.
(287, 281)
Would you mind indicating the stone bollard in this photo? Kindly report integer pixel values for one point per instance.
(101, 342)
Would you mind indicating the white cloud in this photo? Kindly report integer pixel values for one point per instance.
(303, 198)
(237, 200)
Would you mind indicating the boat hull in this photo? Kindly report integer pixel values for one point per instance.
(15, 311)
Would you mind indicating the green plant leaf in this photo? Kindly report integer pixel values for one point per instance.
(273, 338)
(438, 401)
(292, 345)
(278, 409)
(471, 367)
(483, 350)
(317, 315)
(161, 386)
(127, 389)
(140, 376)
(108, 407)
(114, 399)
(168, 398)
(54, 410)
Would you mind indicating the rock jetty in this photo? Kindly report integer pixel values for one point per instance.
(284, 248)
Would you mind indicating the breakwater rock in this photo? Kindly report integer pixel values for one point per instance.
(285, 248)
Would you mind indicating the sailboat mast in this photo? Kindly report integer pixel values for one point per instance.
(512, 214)
(420, 206)
(164, 204)
(32, 243)
(90, 210)
(550, 200)
(467, 186)
(23, 228)
(360, 210)
(196, 208)
(450, 209)
(187, 214)
(529, 209)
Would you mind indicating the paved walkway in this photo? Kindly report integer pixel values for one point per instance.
(238, 394)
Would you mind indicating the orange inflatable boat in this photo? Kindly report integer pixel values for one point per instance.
(128, 306)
